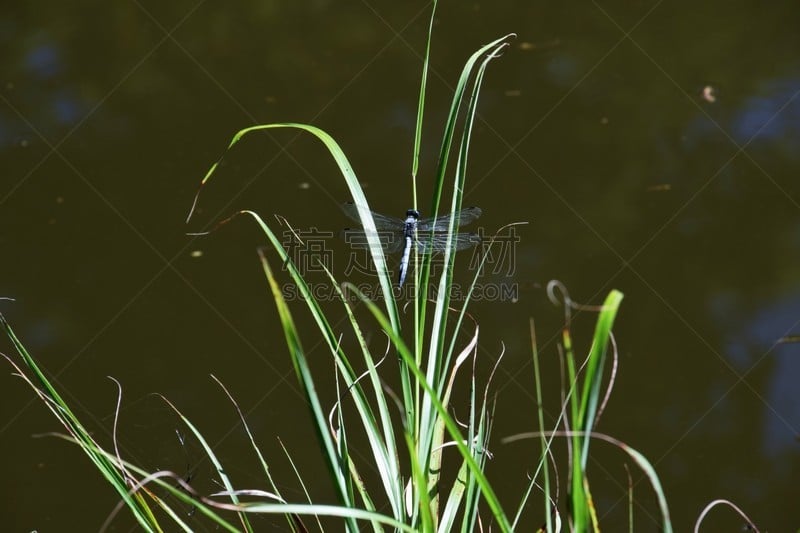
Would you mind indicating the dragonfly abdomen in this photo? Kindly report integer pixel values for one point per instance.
(404, 261)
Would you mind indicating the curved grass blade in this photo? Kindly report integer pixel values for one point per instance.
(313, 305)
(385, 451)
(585, 405)
(183, 492)
(750, 524)
(105, 463)
(299, 479)
(348, 513)
(355, 191)
(435, 461)
(637, 457)
(383, 457)
(444, 152)
(335, 461)
(264, 466)
(437, 362)
(592, 384)
(452, 428)
(213, 458)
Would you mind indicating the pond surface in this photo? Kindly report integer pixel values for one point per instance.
(653, 147)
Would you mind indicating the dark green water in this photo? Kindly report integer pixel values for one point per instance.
(594, 127)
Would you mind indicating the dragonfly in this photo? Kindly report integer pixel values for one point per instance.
(429, 235)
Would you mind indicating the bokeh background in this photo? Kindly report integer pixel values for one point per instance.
(652, 146)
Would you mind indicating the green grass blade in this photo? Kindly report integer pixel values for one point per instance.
(452, 118)
(647, 468)
(444, 153)
(421, 105)
(650, 472)
(479, 440)
(356, 192)
(593, 380)
(383, 457)
(385, 451)
(176, 487)
(438, 359)
(340, 438)
(335, 465)
(454, 499)
(421, 498)
(445, 281)
(435, 461)
(544, 442)
(300, 480)
(226, 482)
(452, 428)
(435, 364)
(106, 464)
(577, 498)
(350, 514)
(252, 439)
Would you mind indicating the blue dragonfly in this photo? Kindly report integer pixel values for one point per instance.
(429, 235)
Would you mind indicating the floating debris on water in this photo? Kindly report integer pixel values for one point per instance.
(709, 94)
(528, 46)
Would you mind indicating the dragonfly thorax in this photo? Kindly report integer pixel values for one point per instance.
(438, 234)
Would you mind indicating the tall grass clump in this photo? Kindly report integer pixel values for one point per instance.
(406, 447)
(408, 432)
(584, 397)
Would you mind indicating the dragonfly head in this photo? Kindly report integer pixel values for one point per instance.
(412, 213)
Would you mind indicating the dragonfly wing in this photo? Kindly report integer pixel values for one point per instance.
(438, 243)
(462, 218)
(357, 238)
(381, 221)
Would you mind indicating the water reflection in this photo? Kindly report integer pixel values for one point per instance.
(751, 340)
(767, 117)
(590, 138)
(771, 116)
